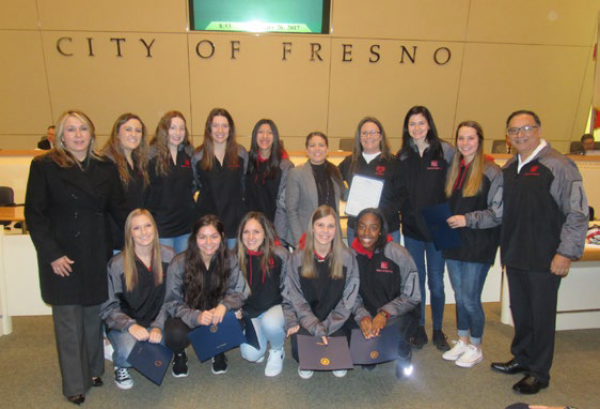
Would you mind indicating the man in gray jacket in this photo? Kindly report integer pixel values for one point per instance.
(543, 230)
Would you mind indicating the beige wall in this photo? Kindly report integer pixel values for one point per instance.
(505, 55)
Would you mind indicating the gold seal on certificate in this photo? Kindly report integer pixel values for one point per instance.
(214, 328)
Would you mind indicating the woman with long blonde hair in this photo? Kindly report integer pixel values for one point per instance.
(321, 284)
(136, 292)
(474, 189)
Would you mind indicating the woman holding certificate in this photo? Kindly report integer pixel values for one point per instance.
(205, 283)
(316, 183)
(389, 286)
(424, 160)
(474, 188)
(371, 158)
(321, 284)
(136, 292)
(263, 263)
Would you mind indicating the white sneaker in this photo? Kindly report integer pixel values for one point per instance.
(260, 360)
(456, 352)
(274, 363)
(123, 379)
(108, 351)
(472, 357)
(304, 374)
(340, 373)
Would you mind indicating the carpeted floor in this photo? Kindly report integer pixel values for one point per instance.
(29, 378)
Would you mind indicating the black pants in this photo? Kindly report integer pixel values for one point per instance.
(176, 335)
(533, 298)
(78, 331)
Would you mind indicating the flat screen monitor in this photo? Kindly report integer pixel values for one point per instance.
(261, 16)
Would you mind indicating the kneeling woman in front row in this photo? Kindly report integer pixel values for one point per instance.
(204, 283)
(321, 284)
(136, 291)
(389, 290)
(263, 263)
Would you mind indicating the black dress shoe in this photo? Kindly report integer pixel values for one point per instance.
(97, 381)
(510, 368)
(529, 385)
(77, 399)
(440, 340)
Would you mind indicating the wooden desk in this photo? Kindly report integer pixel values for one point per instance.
(14, 214)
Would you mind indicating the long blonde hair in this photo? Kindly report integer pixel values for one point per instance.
(474, 177)
(114, 150)
(59, 154)
(336, 264)
(130, 272)
(267, 247)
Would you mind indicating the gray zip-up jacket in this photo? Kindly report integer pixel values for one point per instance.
(237, 291)
(296, 309)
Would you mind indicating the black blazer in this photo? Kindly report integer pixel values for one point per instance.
(66, 210)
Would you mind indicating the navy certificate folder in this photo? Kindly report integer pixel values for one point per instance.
(316, 356)
(211, 340)
(151, 360)
(442, 235)
(376, 350)
(249, 331)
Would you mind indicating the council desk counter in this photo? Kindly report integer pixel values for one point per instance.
(579, 306)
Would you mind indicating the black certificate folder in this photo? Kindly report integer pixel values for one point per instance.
(211, 340)
(382, 348)
(316, 356)
(442, 235)
(151, 360)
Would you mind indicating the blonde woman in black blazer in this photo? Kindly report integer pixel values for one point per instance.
(69, 195)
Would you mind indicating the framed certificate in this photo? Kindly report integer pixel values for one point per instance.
(365, 192)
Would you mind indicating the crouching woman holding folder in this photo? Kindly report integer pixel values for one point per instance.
(321, 284)
(263, 263)
(389, 285)
(204, 282)
(136, 292)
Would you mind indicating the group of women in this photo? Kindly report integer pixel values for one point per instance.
(137, 200)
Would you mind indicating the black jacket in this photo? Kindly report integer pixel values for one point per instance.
(67, 212)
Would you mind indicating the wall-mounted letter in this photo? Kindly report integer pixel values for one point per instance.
(287, 49)
(211, 47)
(406, 53)
(346, 52)
(445, 56)
(59, 46)
(314, 51)
(235, 47)
(375, 51)
(148, 47)
(118, 41)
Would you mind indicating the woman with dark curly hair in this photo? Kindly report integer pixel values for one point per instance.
(206, 283)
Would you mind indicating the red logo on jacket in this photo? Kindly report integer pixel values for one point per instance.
(380, 170)
(434, 165)
(186, 163)
(533, 171)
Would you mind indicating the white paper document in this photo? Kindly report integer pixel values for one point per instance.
(364, 192)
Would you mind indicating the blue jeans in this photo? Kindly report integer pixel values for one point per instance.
(351, 234)
(123, 342)
(178, 243)
(269, 328)
(467, 280)
(419, 250)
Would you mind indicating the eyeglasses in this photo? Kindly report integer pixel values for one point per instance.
(370, 133)
(527, 130)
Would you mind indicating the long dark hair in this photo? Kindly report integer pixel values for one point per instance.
(432, 138)
(231, 147)
(276, 151)
(161, 141)
(204, 290)
(383, 231)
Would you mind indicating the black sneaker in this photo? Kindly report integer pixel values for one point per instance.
(439, 340)
(219, 364)
(419, 339)
(180, 366)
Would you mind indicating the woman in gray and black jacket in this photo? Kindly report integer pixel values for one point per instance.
(321, 284)
(136, 292)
